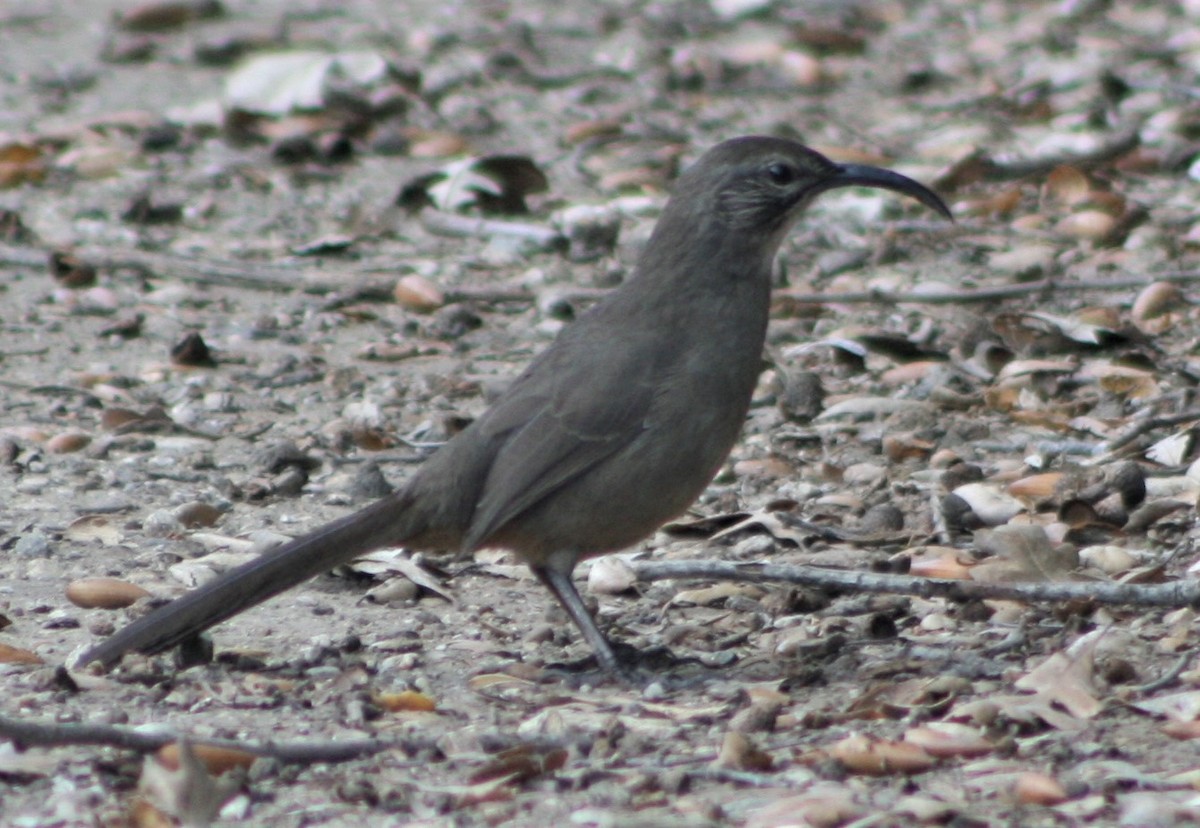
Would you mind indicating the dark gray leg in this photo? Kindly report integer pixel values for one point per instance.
(564, 590)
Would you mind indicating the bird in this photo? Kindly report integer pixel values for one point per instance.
(611, 431)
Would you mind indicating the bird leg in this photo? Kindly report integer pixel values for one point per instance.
(560, 584)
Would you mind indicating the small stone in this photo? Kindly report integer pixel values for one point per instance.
(32, 545)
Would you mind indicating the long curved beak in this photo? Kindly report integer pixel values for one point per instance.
(862, 175)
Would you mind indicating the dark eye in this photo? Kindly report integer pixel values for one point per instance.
(781, 173)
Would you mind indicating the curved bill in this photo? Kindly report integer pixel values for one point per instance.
(862, 175)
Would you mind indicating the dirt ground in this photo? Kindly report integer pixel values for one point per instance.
(1063, 136)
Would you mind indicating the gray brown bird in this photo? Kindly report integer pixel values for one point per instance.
(613, 430)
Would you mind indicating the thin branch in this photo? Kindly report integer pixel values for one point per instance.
(1120, 144)
(1147, 425)
(1174, 594)
(51, 734)
(984, 294)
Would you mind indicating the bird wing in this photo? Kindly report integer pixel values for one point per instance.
(563, 428)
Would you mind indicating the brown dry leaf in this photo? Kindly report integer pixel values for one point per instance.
(1182, 730)
(939, 562)
(1030, 711)
(16, 655)
(435, 144)
(1067, 185)
(1157, 307)
(825, 805)
(497, 684)
(68, 442)
(896, 699)
(1123, 380)
(1039, 789)
(1179, 707)
(93, 528)
(216, 760)
(520, 764)
(97, 156)
(417, 293)
(1038, 488)
(405, 701)
(949, 739)
(1111, 560)
(1067, 680)
(581, 131)
(1021, 553)
(1000, 205)
(764, 468)
(738, 752)
(683, 713)
(1088, 225)
(1031, 367)
(112, 419)
(187, 792)
(874, 757)
(21, 163)
(1078, 328)
(707, 596)
(104, 593)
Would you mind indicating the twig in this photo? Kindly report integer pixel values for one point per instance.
(273, 276)
(1168, 678)
(1150, 424)
(1175, 594)
(990, 169)
(50, 734)
(984, 294)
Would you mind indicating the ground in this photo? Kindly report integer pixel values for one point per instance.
(1008, 397)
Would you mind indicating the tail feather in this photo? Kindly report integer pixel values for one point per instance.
(379, 524)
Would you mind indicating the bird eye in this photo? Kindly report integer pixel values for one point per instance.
(781, 173)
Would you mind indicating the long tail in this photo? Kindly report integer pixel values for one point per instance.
(389, 521)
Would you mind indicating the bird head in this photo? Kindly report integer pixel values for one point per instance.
(759, 184)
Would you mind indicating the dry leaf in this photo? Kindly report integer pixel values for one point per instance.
(16, 655)
(1179, 707)
(707, 596)
(187, 792)
(1067, 185)
(406, 700)
(418, 294)
(1021, 553)
(1067, 681)
(104, 593)
(1172, 450)
(93, 528)
(1155, 306)
(949, 739)
(824, 805)
(988, 503)
(216, 760)
(1039, 789)
(739, 753)
(611, 575)
(861, 754)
